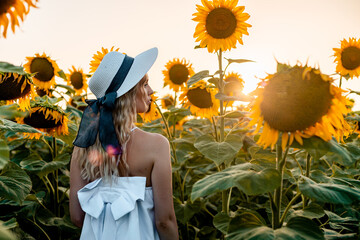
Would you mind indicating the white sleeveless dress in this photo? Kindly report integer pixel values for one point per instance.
(122, 209)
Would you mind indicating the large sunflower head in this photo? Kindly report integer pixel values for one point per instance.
(221, 23)
(177, 73)
(12, 12)
(98, 56)
(44, 69)
(348, 58)
(15, 85)
(46, 117)
(299, 102)
(201, 100)
(77, 79)
(153, 113)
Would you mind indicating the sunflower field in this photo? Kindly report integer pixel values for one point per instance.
(277, 163)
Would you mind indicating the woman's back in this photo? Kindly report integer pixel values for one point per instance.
(140, 156)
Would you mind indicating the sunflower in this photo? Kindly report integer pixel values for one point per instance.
(299, 102)
(201, 100)
(15, 85)
(44, 69)
(220, 24)
(77, 79)
(153, 113)
(167, 101)
(45, 117)
(98, 56)
(13, 10)
(234, 85)
(177, 73)
(348, 58)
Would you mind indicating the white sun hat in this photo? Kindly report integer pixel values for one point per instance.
(115, 76)
(110, 65)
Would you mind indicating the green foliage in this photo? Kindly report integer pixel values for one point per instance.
(15, 184)
(329, 193)
(218, 152)
(4, 153)
(249, 178)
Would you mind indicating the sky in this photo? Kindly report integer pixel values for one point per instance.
(287, 31)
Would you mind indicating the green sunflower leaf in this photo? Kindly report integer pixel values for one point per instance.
(318, 148)
(41, 167)
(15, 184)
(219, 152)
(235, 114)
(11, 112)
(70, 89)
(248, 226)
(15, 127)
(8, 67)
(221, 221)
(5, 233)
(197, 77)
(329, 192)
(224, 97)
(62, 74)
(299, 228)
(247, 177)
(185, 211)
(4, 153)
(238, 60)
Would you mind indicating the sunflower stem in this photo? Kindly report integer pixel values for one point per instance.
(222, 128)
(288, 207)
(280, 165)
(173, 149)
(56, 176)
(307, 174)
(308, 165)
(215, 129)
(42, 230)
(174, 118)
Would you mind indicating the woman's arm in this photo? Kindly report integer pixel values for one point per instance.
(162, 189)
(76, 183)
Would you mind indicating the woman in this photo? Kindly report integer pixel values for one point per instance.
(120, 176)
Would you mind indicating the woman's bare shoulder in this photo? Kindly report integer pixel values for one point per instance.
(152, 145)
(151, 139)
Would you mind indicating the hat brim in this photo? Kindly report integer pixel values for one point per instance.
(141, 65)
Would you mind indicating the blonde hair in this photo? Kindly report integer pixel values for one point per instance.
(94, 161)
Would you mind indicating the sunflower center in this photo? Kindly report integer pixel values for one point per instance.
(41, 92)
(178, 74)
(77, 80)
(38, 120)
(292, 103)
(350, 58)
(5, 5)
(168, 102)
(200, 98)
(10, 88)
(221, 23)
(43, 68)
(232, 87)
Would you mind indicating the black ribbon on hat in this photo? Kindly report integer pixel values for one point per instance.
(97, 117)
